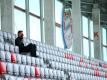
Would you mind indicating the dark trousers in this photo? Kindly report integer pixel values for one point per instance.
(30, 48)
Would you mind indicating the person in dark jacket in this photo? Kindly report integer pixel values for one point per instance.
(22, 48)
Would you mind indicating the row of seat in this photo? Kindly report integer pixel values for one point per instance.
(82, 76)
(20, 59)
(9, 77)
(37, 72)
(8, 47)
(77, 69)
(30, 71)
(67, 55)
(7, 37)
(27, 40)
(58, 59)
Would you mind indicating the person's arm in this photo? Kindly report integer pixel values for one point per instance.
(19, 43)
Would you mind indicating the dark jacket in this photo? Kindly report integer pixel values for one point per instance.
(19, 43)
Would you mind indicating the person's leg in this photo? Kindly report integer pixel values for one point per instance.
(32, 48)
(26, 48)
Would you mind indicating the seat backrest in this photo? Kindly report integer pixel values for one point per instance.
(46, 72)
(28, 60)
(1, 46)
(37, 72)
(11, 48)
(9, 36)
(6, 47)
(27, 71)
(12, 78)
(2, 55)
(13, 58)
(37, 61)
(1, 33)
(41, 62)
(1, 39)
(9, 68)
(42, 72)
(22, 70)
(14, 36)
(19, 78)
(18, 58)
(2, 68)
(23, 59)
(32, 71)
(8, 56)
(33, 61)
(5, 35)
(16, 69)
(16, 49)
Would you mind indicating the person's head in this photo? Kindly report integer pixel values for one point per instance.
(20, 34)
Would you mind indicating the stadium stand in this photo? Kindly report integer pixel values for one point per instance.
(53, 63)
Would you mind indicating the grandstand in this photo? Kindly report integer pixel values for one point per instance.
(54, 61)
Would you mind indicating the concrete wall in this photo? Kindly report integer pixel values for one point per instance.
(77, 28)
(7, 16)
(49, 21)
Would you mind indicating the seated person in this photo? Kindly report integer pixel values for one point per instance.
(29, 48)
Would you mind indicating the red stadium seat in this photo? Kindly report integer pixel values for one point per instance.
(2, 68)
(13, 58)
(37, 72)
(105, 75)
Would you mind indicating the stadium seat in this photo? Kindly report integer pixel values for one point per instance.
(28, 60)
(27, 71)
(1, 33)
(11, 48)
(8, 56)
(2, 55)
(22, 70)
(2, 68)
(13, 58)
(37, 72)
(32, 71)
(33, 61)
(16, 50)
(46, 74)
(9, 68)
(6, 47)
(42, 72)
(1, 46)
(51, 76)
(1, 39)
(18, 58)
(16, 69)
(9, 37)
(19, 78)
(13, 37)
(5, 36)
(23, 59)
(37, 61)
(41, 62)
